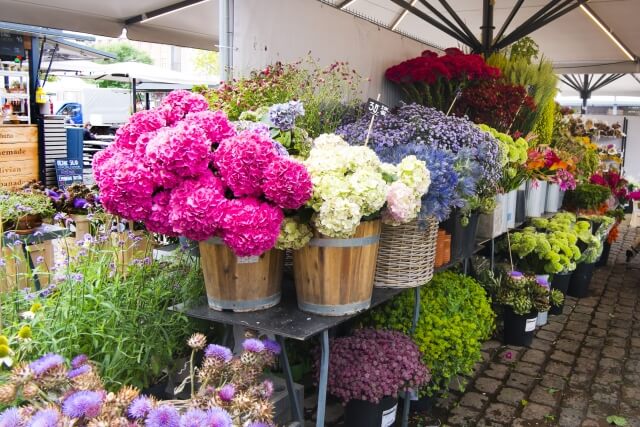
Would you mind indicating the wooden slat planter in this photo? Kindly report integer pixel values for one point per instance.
(334, 277)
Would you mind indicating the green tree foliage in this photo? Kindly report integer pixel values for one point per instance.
(207, 63)
(124, 52)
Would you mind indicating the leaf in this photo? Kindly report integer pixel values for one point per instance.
(552, 390)
(617, 420)
(524, 402)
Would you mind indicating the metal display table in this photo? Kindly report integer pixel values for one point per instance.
(41, 234)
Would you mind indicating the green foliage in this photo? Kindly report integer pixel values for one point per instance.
(586, 196)
(16, 205)
(124, 52)
(544, 125)
(540, 252)
(617, 420)
(121, 321)
(523, 293)
(455, 318)
(514, 157)
(206, 61)
(539, 77)
(327, 93)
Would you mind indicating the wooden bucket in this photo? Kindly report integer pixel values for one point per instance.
(240, 283)
(82, 225)
(334, 277)
(16, 274)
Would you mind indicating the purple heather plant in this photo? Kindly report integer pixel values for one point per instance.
(372, 364)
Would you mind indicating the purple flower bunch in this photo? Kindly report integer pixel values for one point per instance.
(372, 364)
(283, 116)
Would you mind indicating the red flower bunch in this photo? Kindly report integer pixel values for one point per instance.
(496, 104)
(618, 185)
(453, 65)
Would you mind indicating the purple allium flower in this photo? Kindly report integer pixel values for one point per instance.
(140, 407)
(267, 389)
(79, 360)
(227, 392)
(47, 362)
(272, 346)
(83, 404)
(253, 345)
(163, 416)
(193, 418)
(10, 418)
(45, 418)
(81, 370)
(218, 417)
(218, 352)
(283, 116)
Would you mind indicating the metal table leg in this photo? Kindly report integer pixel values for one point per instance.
(32, 267)
(296, 410)
(493, 254)
(324, 377)
(414, 324)
(227, 338)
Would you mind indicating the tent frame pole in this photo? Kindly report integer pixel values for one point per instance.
(225, 47)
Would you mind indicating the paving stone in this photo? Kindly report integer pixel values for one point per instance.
(561, 356)
(605, 393)
(613, 352)
(575, 399)
(501, 413)
(595, 342)
(615, 341)
(487, 385)
(569, 346)
(553, 327)
(542, 345)
(559, 318)
(485, 422)
(511, 396)
(600, 323)
(570, 417)
(473, 400)
(491, 345)
(521, 381)
(580, 380)
(631, 396)
(607, 377)
(534, 411)
(612, 364)
(580, 317)
(632, 365)
(528, 368)
(577, 326)
(597, 332)
(590, 423)
(572, 335)
(558, 368)
(547, 335)
(590, 352)
(509, 355)
(553, 381)
(599, 410)
(544, 396)
(584, 364)
(583, 309)
(534, 356)
(497, 370)
(463, 417)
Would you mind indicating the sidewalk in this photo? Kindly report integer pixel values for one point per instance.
(581, 368)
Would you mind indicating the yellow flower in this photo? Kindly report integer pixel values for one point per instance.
(4, 340)
(4, 350)
(36, 307)
(25, 332)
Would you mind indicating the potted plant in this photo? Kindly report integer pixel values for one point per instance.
(586, 198)
(367, 372)
(184, 170)
(24, 212)
(456, 317)
(591, 251)
(77, 201)
(523, 297)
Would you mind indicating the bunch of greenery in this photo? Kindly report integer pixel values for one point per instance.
(456, 318)
(327, 93)
(541, 252)
(526, 293)
(520, 65)
(514, 157)
(586, 197)
(14, 206)
(120, 319)
(543, 128)
(593, 232)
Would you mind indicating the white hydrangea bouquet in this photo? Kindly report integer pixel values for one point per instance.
(351, 184)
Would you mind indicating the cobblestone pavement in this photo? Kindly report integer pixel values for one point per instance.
(581, 368)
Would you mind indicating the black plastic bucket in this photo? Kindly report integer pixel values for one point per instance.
(361, 413)
(518, 328)
(580, 280)
(561, 283)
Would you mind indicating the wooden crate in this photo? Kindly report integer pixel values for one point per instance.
(18, 155)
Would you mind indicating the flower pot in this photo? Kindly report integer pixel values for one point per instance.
(542, 319)
(406, 255)
(561, 283)
(518, 328)
(606, 250)
(495, 223)
(553, 198)
(536, 198)
(334, 277)
(360, 413)
(240, 283)
(82, 225)
(521, 204)
(512, 203)
(463, 238)
(580, 280)
(26, 224)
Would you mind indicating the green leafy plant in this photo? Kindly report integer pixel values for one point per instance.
(524, 293)
(14, 206)
(586, 197)
(456, 317)
(514, 157)
(617, 420)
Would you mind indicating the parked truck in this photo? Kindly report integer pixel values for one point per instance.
(99, 106)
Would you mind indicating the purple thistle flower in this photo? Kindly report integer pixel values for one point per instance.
(267, 389)
(259, 424)
(140, 407)
(46, 363)
(272, 346)
(227, 392)
(83, 404)
(516, 274)
(45, 418)
(10, 418)
(253, 345)
(218, 352)
(81, 370)
(218, 417)
(163, 416)
(193, 418)
(79, 360)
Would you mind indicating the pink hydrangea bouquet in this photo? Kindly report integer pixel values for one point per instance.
(184, 170)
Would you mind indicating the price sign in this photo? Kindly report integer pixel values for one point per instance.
(376, 108)
(68, 172)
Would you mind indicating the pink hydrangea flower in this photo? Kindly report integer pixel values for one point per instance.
(158, 221)
(250, 227)
(214, 123)
(197, 206)
(179, 152)
(177, 104)
(287, 183)
(140, 123)
(241, 161)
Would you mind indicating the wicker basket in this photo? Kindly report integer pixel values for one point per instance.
(407, 254)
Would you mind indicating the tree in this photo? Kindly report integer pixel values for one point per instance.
(206, 62)
(124, 52)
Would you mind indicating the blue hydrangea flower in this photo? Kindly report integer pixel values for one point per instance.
(283, 116)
